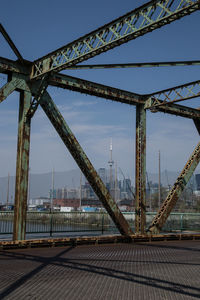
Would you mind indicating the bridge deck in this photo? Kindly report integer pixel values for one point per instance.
(158, 270)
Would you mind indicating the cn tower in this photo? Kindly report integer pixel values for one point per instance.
(111, 163)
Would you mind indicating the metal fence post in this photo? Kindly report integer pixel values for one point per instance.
(181, 222)
(102, 224)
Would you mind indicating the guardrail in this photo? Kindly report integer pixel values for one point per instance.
(80, 222)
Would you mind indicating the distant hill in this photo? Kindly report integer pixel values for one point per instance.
(40, 184)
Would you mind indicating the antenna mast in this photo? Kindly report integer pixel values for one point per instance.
(159, 181)
(8, 187)
(111, 163)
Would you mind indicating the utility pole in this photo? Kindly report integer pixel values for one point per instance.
(111, 162)
(8, 191)
(159, 181)
(116, 185)
(80, 190)
(29, 186)
(52, 187)
(149, 186)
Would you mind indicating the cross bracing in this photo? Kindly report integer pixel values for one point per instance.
(31, 79)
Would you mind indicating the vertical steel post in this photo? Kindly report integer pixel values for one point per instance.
(140, 170)
(22, 168)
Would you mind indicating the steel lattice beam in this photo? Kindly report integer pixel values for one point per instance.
(175, 94)
(99, 90)
(175, 192)
(138, 22)
(85, 165)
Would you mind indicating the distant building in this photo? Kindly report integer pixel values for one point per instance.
(102, 174)
(197, 179)
(39, 201)
(75, 203)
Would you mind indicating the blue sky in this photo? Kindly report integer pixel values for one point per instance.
(38, 27)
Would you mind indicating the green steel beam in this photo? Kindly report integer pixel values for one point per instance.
(9, 66)
(22, 168)
(140, 170)
(138, 22)
(175, 94)
(107, 92)
(85, 165)
(103, 91)
(7, 89)
(137, 65)
(175, 192)
(40, 90)
(92, 88)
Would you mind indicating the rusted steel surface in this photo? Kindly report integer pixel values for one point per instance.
(85, 165)
(108, 92)
(94, 240)
(95, 89)
(175, 192)
(140, 170)
(22, 168)
(103, 91)
(175, 94)
(153, 271)
(38, 90)
(8, 88)
(23, 77)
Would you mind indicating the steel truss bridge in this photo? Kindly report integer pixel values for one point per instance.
(31, 80)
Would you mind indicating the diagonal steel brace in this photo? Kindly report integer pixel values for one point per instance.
(175, 192)
(8, 88)
(84, 163)
(36, 100)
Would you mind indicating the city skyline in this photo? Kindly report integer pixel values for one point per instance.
(95, 120)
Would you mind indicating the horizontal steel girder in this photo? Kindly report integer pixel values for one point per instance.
(9, 66)
(137, 65)
(99, 90)
(95, 89)
(175, 192)
(138, 22)
(85, 165)
(175, 94)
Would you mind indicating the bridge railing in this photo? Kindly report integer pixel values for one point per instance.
(99, 222)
